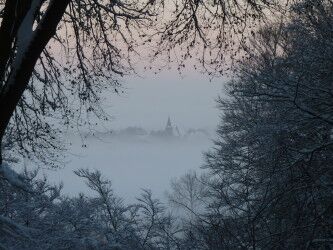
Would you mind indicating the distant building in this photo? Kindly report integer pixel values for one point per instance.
(197, 132)
(168, 128)
(132, 131)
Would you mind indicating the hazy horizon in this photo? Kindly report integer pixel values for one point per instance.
(148, 102)
(131, 163)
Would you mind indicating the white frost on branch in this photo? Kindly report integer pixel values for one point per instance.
(9, 227)
(12, 177)
(25, 33)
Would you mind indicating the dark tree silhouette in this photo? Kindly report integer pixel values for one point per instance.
(54, 52)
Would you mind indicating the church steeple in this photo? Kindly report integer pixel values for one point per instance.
(169, 122)
(169, 128)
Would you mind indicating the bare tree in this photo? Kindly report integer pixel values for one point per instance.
(270, 168)
(58, 56)
(88, 43)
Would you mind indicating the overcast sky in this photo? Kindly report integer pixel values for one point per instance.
(189, 100)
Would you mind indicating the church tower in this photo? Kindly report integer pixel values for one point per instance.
(168, 128)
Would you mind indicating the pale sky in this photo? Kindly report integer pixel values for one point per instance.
(132, 165)
(189, 100)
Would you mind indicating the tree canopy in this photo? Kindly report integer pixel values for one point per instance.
(267, 181)
(56, 57)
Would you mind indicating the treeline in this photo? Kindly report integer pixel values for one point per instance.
(42, 218)
(268, 181)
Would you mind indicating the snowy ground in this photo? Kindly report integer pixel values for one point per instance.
(132, 163)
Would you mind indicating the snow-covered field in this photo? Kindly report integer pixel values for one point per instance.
(131, 163)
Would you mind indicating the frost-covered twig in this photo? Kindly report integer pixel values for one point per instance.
(15, 179)
(9, 227)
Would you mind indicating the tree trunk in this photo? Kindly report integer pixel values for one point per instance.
(14, 12)
(22, 68)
